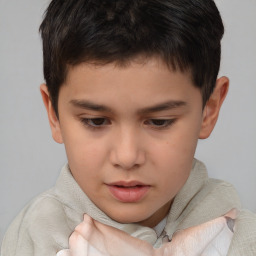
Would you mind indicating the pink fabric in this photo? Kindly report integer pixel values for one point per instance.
(92, 238)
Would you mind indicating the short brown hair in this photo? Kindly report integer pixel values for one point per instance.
(185, 34)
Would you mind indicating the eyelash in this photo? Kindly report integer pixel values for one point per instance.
(167, 123)
(88, 122)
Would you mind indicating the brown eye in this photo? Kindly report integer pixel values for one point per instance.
(95, 122)
(160, 123)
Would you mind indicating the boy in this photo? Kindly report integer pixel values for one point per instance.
(130, 87)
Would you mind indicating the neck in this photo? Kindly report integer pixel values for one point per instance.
(159, 215)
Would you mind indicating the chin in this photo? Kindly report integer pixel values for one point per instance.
(130, 220)
(128, 217)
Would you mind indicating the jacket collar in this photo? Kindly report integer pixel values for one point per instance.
(189, 198)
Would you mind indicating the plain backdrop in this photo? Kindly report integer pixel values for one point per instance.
(29, 159)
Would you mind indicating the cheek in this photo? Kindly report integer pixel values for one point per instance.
(83, 150)
(86, 158)
(176, 150)
(85, 155)
(186, 137)
(174, 156)
(174, 168)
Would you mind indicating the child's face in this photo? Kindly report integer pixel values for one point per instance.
(130, 135)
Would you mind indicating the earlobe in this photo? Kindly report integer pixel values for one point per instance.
(212, 107)
(53, 120)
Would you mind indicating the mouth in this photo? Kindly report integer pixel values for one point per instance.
(128, 192)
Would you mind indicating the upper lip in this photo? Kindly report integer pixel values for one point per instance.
(127, 183)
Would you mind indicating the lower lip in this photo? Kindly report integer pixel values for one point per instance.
(129, 194)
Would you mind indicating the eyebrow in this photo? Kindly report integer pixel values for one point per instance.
(172, 104)
(85, 104)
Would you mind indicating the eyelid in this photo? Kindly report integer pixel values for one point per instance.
(168, 122)
(87, 122)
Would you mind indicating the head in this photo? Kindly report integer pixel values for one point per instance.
(185, 34)
(130, 87)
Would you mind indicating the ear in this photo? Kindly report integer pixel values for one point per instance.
(212, 107)
(53, 120)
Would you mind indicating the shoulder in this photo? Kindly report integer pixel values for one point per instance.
(244, 239)
(224, 190)
(44, 225)
(201, 199)
(217, 191)
(208, 193)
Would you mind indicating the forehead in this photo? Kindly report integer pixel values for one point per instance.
(139, 82)
(145, 67)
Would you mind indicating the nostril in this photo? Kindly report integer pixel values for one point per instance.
(127, 167)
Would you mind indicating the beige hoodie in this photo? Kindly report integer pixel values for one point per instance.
(44, 225)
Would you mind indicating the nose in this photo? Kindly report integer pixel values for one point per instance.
(127, 152)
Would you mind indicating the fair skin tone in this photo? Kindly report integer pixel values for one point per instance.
(93, 238)
(130, 134)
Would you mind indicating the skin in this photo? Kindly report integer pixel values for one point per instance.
(129, 140)
(93, 238)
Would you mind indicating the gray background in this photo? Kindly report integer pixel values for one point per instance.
(30, 161)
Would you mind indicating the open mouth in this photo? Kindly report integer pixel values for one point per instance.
(136, 186)
(128, 193)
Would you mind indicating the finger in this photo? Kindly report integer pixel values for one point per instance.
(111, 241)
(233, 213)
(92, 251)
(91, 234)
(65, 252)
(78, 245)
(86, 227)
(118, 242)
(195, 240)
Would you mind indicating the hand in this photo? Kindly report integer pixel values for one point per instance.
(211, 238)
(92, 238)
